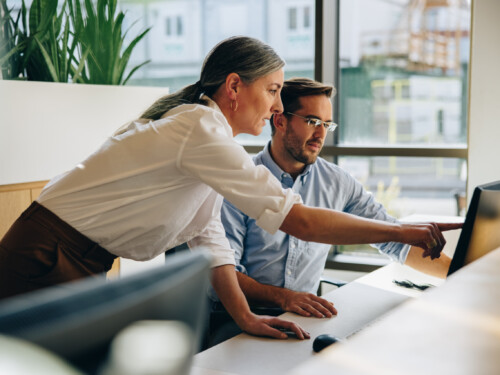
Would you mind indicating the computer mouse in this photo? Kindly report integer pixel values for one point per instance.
(322, 341)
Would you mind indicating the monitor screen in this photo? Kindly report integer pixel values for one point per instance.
(481, 231)
(78, 320)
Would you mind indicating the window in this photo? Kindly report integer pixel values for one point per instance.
(179, 25)
(168, 27)
(307, 17)
(183, 32)
(173, 26)
(300, 18)
(292, 19)
(402, 103)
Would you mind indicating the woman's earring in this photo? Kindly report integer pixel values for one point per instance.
(235, 107)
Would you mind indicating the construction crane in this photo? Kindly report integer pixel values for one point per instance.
(427, 36)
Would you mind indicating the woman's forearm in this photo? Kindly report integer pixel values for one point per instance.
(226, 286)
(339, 228)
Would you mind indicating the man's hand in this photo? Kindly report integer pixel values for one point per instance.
(302, 303)
(306, 304)
(262, 325)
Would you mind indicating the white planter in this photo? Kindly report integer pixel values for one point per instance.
(47, 128)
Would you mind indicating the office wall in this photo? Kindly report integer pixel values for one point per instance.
(484, 109)
(47, 128)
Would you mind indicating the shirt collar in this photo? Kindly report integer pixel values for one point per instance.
(268, 161)
(211, 103)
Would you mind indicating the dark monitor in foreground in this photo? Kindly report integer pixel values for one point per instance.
(481, 231)
(78, 320)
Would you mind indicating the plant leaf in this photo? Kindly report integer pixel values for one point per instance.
(46, 57)
(128, 51)
(134, 70)
(80, 67)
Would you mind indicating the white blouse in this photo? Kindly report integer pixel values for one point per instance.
(161, 183)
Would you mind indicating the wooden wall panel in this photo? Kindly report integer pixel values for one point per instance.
(114, 272)
(35, 193)
(12, 204)
(15, 198)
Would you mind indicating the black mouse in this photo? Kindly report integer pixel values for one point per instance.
(322, 341)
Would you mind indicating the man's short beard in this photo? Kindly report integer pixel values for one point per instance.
(294, 147)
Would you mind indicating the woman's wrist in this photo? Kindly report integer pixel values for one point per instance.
(398, 231)
(244, 319)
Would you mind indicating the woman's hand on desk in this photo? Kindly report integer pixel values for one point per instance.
(225, 283)
(262, 325)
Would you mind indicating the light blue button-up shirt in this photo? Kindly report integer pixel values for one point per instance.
(283, 260)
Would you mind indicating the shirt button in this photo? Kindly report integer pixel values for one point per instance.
(289, 272)
(292, 245)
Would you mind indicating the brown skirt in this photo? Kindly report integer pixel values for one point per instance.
(41, 250)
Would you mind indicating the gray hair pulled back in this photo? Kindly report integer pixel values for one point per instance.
(248, 57)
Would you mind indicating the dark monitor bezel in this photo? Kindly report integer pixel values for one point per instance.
(460, 255)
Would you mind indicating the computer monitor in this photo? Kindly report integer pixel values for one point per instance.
(78, 320)
(481, 231)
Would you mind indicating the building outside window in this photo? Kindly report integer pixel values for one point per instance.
(402, 103)
(184, 31)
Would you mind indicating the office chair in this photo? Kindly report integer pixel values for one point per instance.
(331, 281)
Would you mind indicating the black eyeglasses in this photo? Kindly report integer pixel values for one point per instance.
(328, 125)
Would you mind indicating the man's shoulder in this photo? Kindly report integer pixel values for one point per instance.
(324, 165)
(257, 159)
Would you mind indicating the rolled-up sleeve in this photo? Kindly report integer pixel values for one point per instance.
(211, 155)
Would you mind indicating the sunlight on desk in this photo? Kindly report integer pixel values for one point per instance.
(453, 329)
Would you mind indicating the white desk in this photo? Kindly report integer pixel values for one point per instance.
(247, 355)
(453, 329)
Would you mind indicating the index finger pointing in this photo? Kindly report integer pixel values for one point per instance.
(449, 226)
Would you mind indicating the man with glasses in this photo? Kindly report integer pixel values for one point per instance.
(280, 270)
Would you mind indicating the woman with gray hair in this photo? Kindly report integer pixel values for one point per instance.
(160, 180)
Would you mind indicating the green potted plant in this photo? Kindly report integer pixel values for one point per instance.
(38, 45)
(67, 43)
(85, 114)
(48, 55)
(10, 59)
(98, 29)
